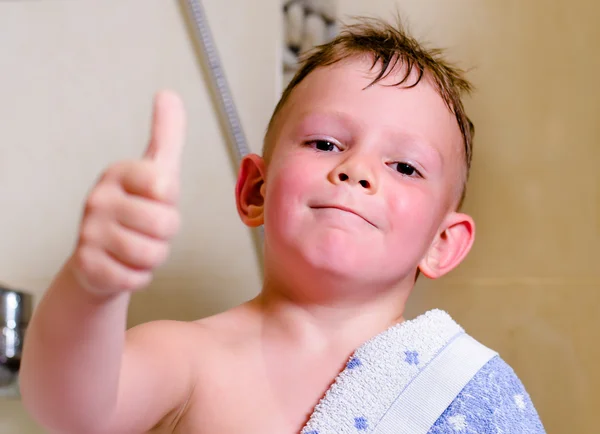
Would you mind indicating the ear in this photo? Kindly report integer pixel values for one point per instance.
(450, 246)
(249, 190)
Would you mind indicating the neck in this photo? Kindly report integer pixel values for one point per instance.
(325, 314)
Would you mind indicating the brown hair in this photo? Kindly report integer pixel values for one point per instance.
(389, 47)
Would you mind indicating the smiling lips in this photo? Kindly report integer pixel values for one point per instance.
(343, 208)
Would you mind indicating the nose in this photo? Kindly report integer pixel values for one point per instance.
(356, 172)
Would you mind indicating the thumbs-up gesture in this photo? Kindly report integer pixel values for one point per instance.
(131, 213)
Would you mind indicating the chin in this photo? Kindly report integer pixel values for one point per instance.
(335, 254)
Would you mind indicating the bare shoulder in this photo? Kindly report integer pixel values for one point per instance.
(186, 362)
(198, 341)
(164, 337)
(165, 332)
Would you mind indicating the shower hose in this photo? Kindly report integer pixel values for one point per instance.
(224, 100)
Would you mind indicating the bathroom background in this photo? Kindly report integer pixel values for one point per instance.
(76, 84)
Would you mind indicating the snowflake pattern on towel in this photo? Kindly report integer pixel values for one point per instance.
(412, 357)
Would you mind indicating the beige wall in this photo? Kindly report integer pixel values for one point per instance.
(531, 287)
(76, 83)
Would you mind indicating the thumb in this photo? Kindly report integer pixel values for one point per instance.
(168, 131)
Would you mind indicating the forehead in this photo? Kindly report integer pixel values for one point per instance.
(346, 89)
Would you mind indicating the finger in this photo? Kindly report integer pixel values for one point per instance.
(133, 249)
(168, 131)
(144, 178)
(100, 273)
(150, 218)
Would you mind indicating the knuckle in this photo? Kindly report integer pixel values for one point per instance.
(101, 200)
(155, 222)
(113, 172)
(141, 178)
(165, 224)
(87, 232)
(155, 255)
(95, 200)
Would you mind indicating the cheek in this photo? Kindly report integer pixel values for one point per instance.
(288, 185)
(412, 213)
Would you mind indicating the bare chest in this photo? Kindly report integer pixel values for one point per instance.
(257, 398)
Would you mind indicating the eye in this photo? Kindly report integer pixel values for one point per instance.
(324, 146)
(406, 169)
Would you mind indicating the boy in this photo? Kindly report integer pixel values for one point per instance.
(362, 175)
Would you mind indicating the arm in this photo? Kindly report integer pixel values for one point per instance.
(80, 371)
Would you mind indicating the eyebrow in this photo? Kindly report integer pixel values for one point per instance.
(402, 137)
(330, 114)
(416, 141)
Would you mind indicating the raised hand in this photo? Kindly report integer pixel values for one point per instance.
(131, 213)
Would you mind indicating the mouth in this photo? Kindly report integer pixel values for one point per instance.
(344, 209)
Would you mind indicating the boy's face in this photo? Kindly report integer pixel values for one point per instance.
(362, 181)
